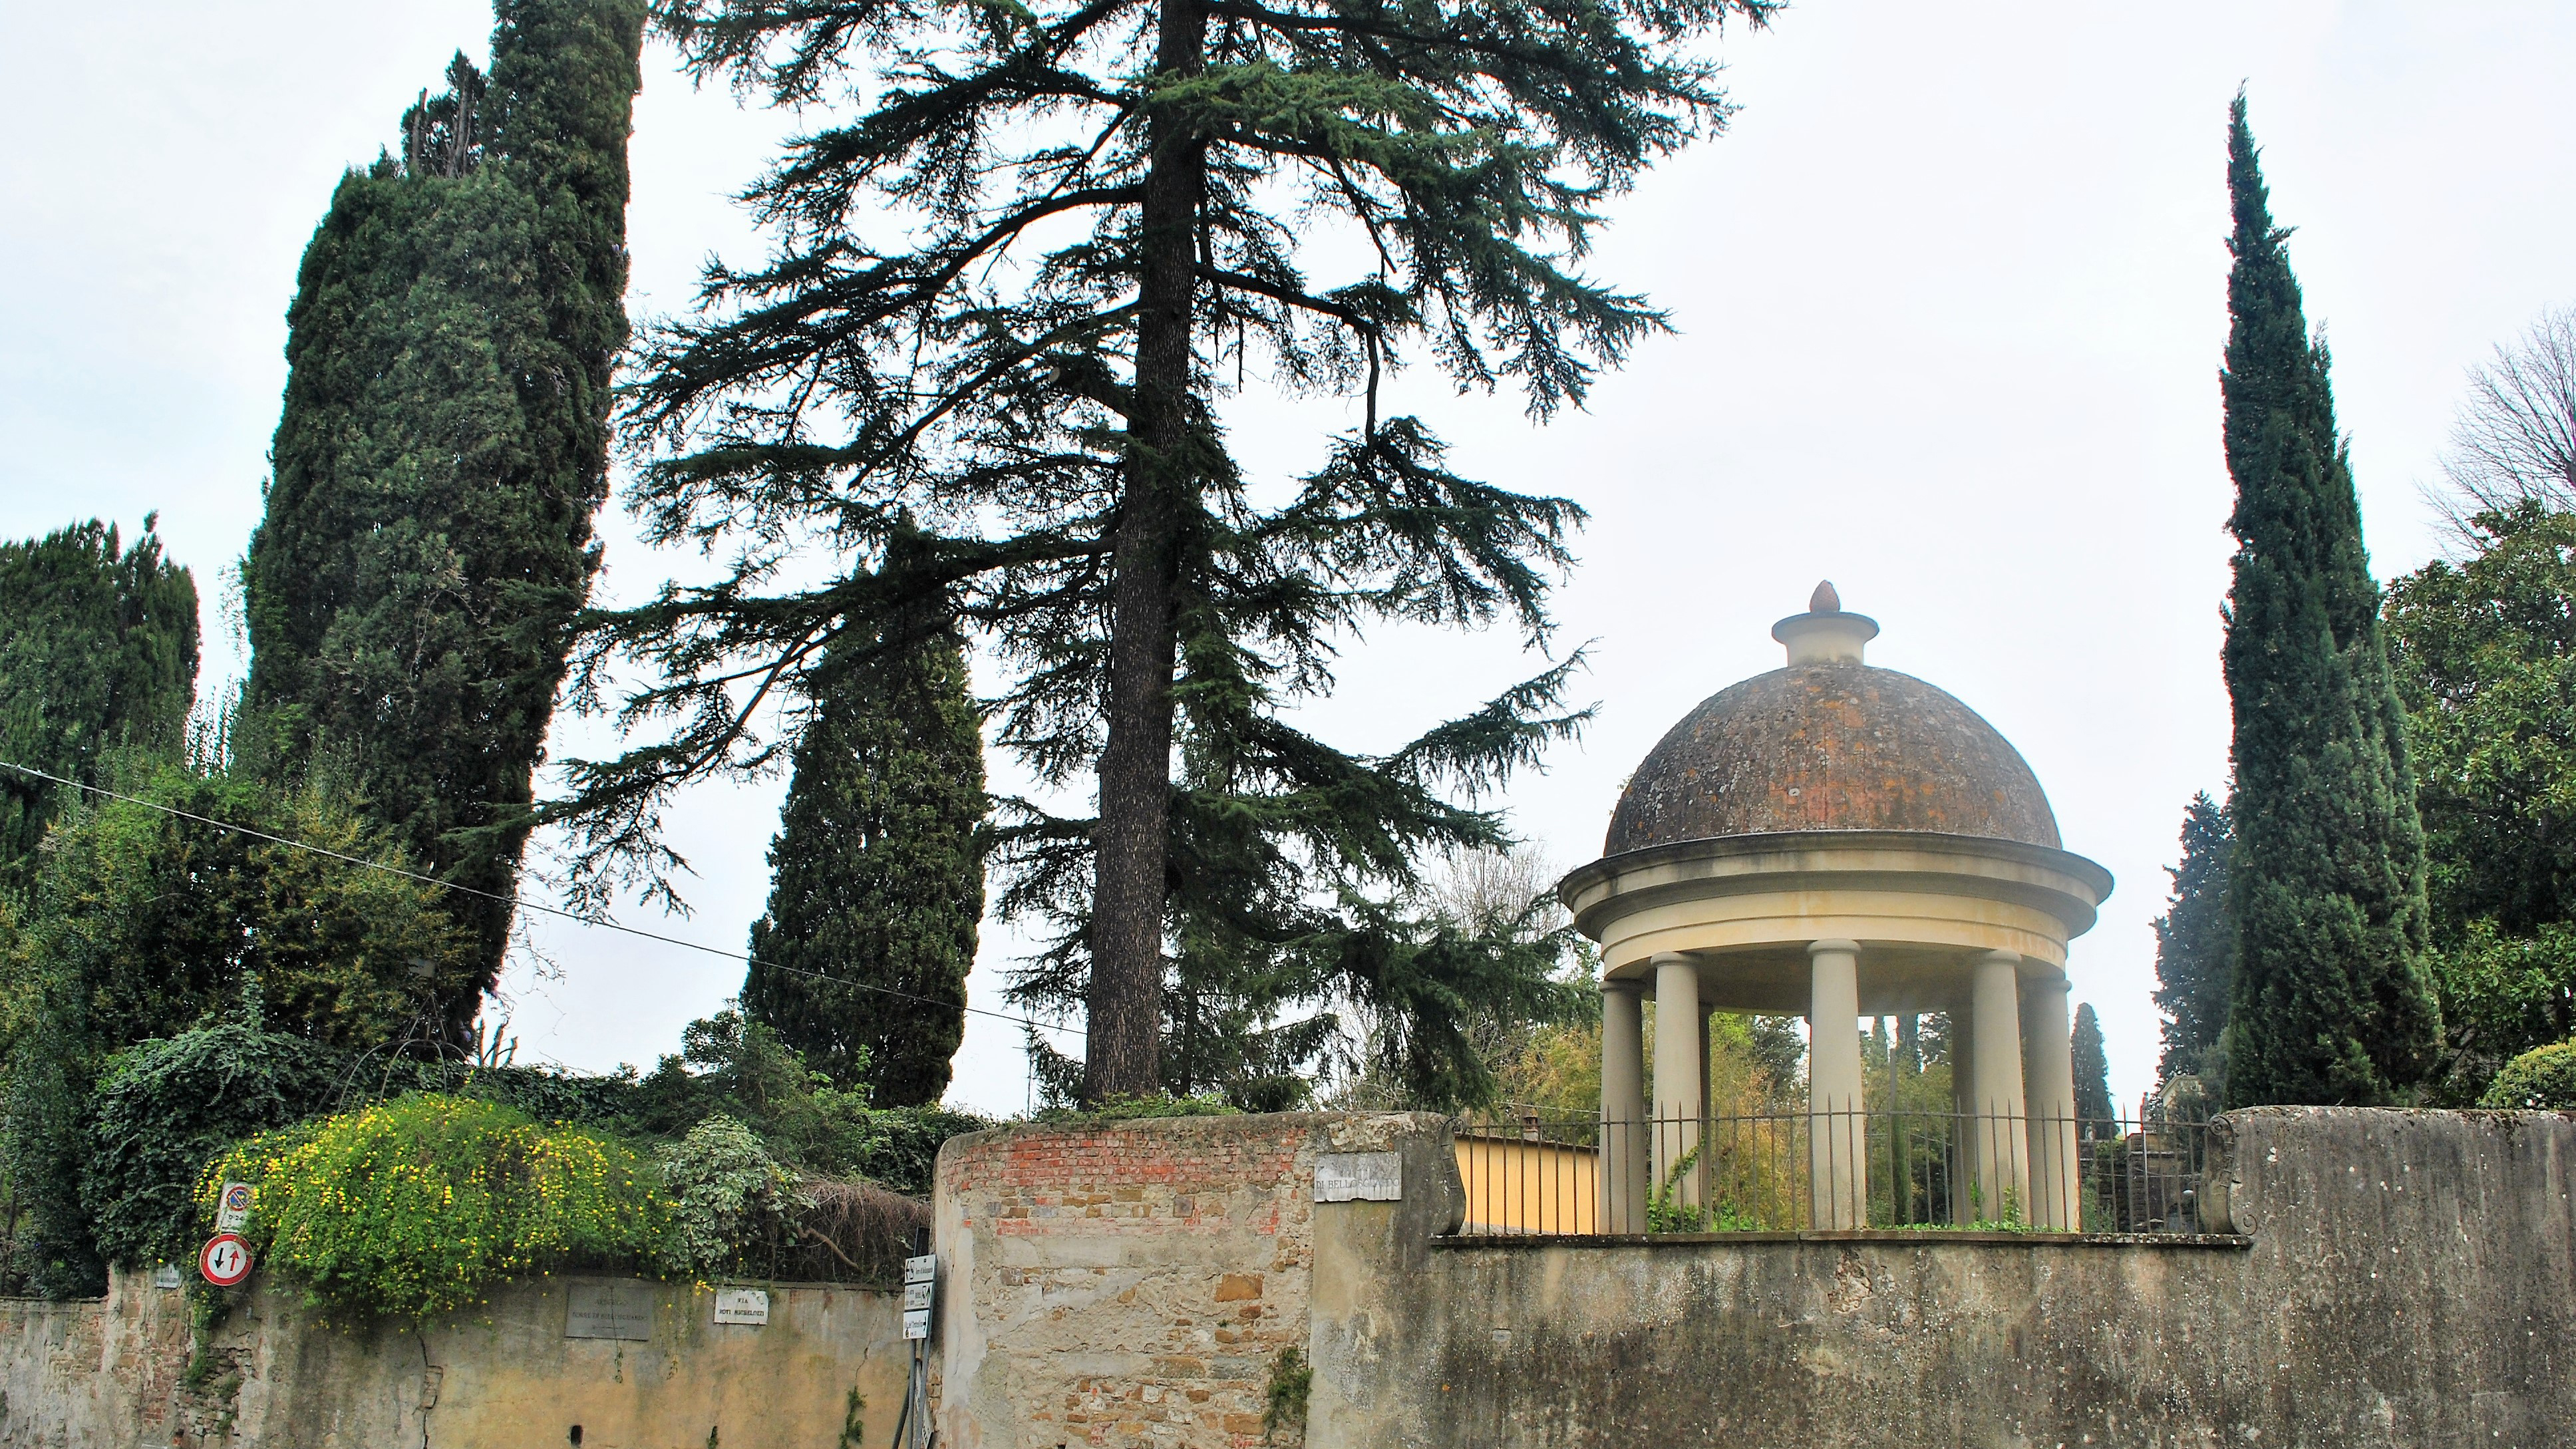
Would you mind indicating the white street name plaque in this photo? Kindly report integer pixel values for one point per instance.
(742, 1305)
(1359, 1177)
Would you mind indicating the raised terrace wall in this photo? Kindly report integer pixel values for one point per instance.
(2400, 1278)
(2408, 1278)
(112, 1374)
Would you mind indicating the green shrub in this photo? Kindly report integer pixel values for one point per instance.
(1125, 1109)
(905, 1156)
(2542, 1079)
(165, 1108)
(418, 1207)
(725, 1192)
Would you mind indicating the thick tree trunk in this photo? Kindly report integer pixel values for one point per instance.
(1123, 1051)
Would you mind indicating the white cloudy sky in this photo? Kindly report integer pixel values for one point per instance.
(1949, 305)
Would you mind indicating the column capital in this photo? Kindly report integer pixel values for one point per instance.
(1819, 948)
(1623, 985)
(2001, 958)
(1667, 958)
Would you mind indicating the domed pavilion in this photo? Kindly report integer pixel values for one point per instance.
(1836, 841)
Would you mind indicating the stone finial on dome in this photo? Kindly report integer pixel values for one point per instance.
(1825, 634)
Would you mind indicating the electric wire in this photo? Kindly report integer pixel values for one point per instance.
(520, 903)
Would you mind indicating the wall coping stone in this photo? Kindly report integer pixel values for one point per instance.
(1932, 1238)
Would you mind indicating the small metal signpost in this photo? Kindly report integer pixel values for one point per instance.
(225, 1260)
(920, 1291)
(233, 1208)
(920, 1284)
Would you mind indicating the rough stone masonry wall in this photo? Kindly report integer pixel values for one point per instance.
(2411, 1281)
(112, 1374)
(1132, 1283)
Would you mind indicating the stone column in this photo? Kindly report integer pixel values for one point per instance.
(1997, 1132)
(1677, 1102)
(1705, 1172)
(2048, 1066)
(1837, 1135)
(1963, 1106)
(1623, 1106)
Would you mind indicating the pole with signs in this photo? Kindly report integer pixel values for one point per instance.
(920, 1285)
(920, 1295)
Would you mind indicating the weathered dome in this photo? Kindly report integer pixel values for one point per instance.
(1834, 745)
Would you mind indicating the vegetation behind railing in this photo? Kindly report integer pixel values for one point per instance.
(1932, 1171)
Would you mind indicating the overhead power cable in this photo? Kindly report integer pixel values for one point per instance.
(520, 903)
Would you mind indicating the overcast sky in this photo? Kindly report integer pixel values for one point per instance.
(1949, 302)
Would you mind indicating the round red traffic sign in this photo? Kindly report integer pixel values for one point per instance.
(225, 1261)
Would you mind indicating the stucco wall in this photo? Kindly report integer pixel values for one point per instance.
(2411, 1281)
(110, 1374)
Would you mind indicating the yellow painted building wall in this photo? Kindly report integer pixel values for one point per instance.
(1519, 1186)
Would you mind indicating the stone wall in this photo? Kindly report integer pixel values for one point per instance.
(2408, 1279)
(1137, 1282)
(113, 1374)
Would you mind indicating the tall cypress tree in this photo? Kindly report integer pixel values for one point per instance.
(878, 872)
(2196, 944)
(2092, 1069)
(98, 651)
(443, 446)
(2332, 1003)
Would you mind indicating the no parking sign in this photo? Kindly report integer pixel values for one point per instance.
(225, 1261)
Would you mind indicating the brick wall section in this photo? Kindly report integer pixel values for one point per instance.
(1130, 1283)
(1135, 1282)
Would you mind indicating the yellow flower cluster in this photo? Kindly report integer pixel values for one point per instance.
(418, 1206)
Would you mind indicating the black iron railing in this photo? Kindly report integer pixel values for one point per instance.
(1790, 1170)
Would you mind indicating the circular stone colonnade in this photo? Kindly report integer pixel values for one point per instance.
(1835, 840)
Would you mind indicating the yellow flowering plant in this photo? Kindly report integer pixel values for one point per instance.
(419, 1206)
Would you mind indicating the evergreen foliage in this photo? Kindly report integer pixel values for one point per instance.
(877, 874)
(142, 925)
(166, 1108)
(2196, 945)
(2485, 653)
(724, 1190)
(2092, 1068)
(2332, 1002)
(143, 922)
(2542, 1079)
(1151, 169)
(443, 446)
(98, 652)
